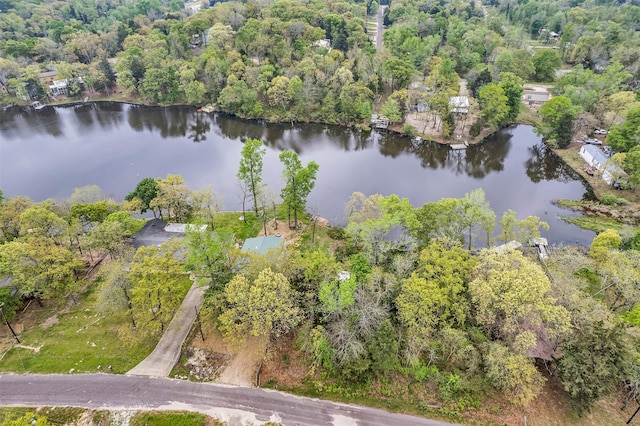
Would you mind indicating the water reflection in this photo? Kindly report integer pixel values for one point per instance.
(49, 152)
(199, 126)
(544, 164)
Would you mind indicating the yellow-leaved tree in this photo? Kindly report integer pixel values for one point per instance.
(511, 301)
(264, 307)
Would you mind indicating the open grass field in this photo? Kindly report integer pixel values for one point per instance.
(77, 339)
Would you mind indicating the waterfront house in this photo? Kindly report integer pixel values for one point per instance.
(459, 104)
(597, 159)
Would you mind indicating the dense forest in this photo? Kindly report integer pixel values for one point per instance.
(401, 294)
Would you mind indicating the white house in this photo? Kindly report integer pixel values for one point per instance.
(459, 104)
(192, 7)
(325, 42)
(598, 160)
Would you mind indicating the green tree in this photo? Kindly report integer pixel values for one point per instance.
(434, 296)
(146, 190)
(211, 255)
(115, 292)
(109, 236)
(558, 116)
(158, 279)
(391, 110)
(594, 363)
(632, 165)
(493, 104)
(512, 86)
(39, 267)
(383, 349)
(604, 242)
(546, 62)
(398, 72)
(89, 194)
(373, 219)
(40, 221)
(10, 212)
(513, 373)
(510, 294)
(250, 172)
(509, 224)
(173, 196)
(299, 182)
(624, 137)
(265, 307)
(93, 212)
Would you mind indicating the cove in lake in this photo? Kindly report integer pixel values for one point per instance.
(48, 153)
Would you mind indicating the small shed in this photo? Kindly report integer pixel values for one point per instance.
(459, 104)
(533, 97)
(262, 245)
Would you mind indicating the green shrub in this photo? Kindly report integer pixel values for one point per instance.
(450, 385)
(336, 233)
(409, 130)
(423, 372)
(476, 127)
(612, 200)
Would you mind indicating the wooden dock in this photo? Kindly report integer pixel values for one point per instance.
(459, 145)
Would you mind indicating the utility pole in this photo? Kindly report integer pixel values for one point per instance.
(7, 322)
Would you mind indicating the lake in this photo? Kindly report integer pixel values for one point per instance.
(47, 153)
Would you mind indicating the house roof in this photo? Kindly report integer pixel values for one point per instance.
(532, 95)
(600, 160)
(157, 231)
(262, 244)
(595, 152)
(45, 74)
(459, 101)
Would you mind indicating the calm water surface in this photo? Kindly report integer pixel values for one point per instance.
(48, 153)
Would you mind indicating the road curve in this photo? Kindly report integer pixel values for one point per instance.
(230, 404)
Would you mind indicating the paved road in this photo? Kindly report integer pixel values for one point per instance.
(160, 362)
(379, 35)
(234, 405)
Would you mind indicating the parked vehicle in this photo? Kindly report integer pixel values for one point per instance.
(601, 132)
(591, 141)
(622, 183)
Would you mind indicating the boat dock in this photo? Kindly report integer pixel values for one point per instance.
(459, 145)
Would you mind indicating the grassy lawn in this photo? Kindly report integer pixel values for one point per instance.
(599, 224)
(72, 416)
(172, 419)
(242, 229)
(56, 415)
(77, 339)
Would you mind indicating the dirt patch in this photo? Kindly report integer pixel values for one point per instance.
(212, 359)
(205, 364)
(241, 369)
(281, 229)
(50, 321)
(284, 366)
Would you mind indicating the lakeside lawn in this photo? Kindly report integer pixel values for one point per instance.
(78, 339)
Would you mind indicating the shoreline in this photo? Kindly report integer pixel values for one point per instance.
(565, 154)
